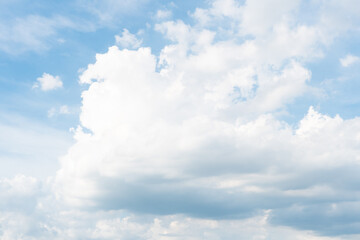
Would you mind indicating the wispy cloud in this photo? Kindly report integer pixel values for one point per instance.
(62, 110)
(163, 14)
(349, 60)
(128, 40)
(30, 33)
(37, 32)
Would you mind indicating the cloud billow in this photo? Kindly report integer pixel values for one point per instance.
(194, 131)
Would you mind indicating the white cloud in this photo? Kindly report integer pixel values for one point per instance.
(72, 225)
(187, 149)
(178, 227)
(260, 17)
(163, 14)
(48, 82)
(128, 40)
(195, 133)
(349, 60)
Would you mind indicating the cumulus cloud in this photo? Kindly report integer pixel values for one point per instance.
(128, 40)
(349, 60)
(48, 82)
(194, 132)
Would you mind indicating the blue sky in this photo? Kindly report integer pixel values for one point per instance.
(219, 119)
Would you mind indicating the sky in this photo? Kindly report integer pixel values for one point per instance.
(180, 120)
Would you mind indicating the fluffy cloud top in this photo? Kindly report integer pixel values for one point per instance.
(48, 82)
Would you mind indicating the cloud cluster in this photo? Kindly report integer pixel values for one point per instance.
(194, 130)
(188, 144)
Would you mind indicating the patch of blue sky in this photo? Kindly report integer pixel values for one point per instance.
(338, 86)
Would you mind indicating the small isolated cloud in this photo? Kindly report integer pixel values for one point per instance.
(163, 14)
(48, 82)
(128, 40)
(349, 60)
(63, 110)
